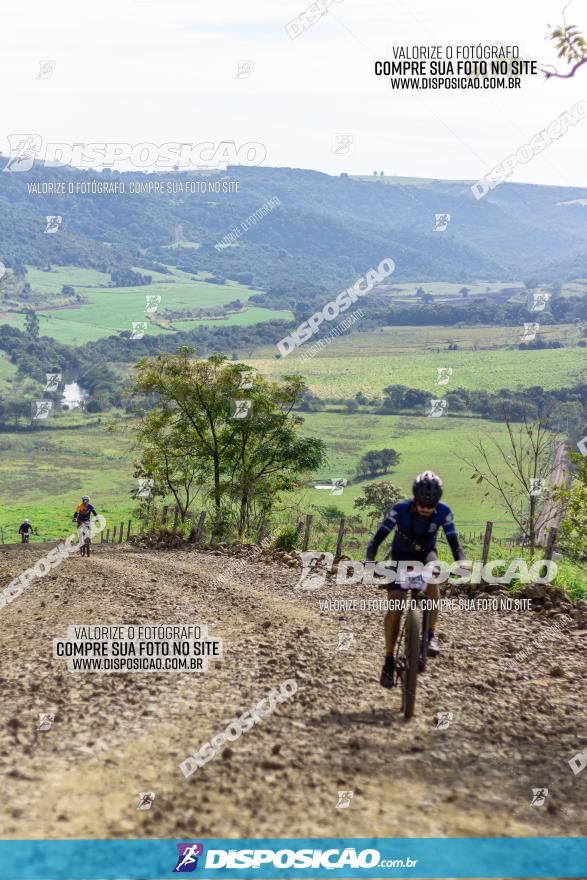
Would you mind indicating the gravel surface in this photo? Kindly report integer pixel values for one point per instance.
(514, 725)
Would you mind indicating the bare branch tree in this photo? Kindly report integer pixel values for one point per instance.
(521, 472)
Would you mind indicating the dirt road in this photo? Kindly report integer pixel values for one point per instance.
(117, 735)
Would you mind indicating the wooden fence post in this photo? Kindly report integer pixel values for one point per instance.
(121, 535)
(164, 515)
(487, 542)
(339, 539)
(175, 520)
(128, 528)
(2, 530)
(199, 527)
(307, 530)
(114, 534)
(550, 541)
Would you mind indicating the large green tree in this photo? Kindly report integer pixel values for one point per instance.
(377, 462)
(214, 425)
(378, 498)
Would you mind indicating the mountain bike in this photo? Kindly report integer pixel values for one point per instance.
(411, 648)
(85, 549)
(84, 538)
(26, 536)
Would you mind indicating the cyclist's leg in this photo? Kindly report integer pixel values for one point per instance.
(433, 592)
(391, 627)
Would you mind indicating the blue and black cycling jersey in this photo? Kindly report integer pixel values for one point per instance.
(83, 512)
(415, 534)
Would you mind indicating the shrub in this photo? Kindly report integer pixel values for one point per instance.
(286, 539)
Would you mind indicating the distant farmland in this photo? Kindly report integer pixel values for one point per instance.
(110, 310)
(368, 362)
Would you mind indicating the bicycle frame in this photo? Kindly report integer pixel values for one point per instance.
(402, 662)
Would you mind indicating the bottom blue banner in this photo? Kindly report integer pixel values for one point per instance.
(530, 857)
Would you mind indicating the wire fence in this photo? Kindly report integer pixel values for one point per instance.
(346, 535)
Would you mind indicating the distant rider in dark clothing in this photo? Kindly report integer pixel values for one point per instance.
(25, 531)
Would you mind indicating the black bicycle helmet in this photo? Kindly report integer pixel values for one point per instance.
(427, 489)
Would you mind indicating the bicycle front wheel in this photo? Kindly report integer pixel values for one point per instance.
(412, 659)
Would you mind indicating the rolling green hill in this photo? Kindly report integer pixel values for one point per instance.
(326, 230)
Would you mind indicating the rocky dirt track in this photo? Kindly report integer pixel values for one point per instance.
(117, 735)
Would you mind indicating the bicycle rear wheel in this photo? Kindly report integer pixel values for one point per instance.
(412, 659)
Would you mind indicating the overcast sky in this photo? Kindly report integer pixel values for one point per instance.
(165, 70)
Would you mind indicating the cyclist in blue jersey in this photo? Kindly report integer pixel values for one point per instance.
(416, 522)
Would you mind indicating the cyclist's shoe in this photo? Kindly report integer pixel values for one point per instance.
(387, 679)
(433, 646)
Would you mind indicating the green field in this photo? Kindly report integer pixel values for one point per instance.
(7, 369)
(53, 281)
(87, 329)
(369, 362)
(407, 340)
(391, 179)
(112, 310)
(423, 443)
(44, 473)
(189, 245)
(444, 289)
